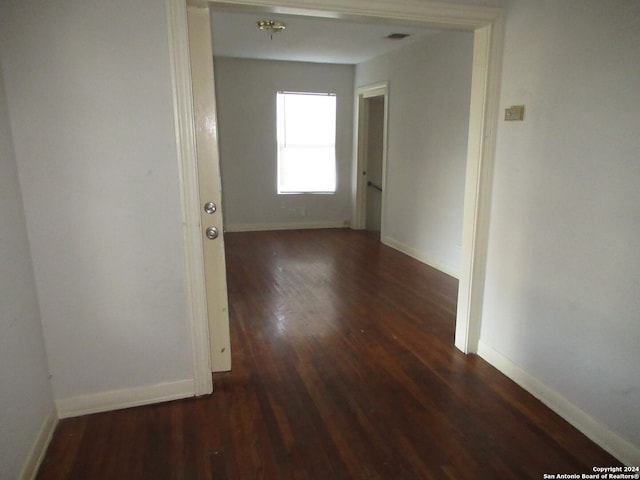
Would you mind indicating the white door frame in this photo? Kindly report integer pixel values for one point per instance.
(361, 142)
(185, 131)
(204, 102)
(487, 25)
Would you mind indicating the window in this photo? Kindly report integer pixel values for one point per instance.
(306, 142)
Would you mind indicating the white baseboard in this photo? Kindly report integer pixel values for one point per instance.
(443, 267)
(39, 448)
(620, 448)
(124, 398)
(263, 227)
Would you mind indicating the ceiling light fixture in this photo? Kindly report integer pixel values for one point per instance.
(271, 26)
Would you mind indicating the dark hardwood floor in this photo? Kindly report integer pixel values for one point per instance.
(343, 368)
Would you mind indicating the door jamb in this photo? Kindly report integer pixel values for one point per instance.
(185, 128)
(487, 24)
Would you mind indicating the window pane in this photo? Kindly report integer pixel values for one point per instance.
(306, 142)
(307, 170)
(310, 119)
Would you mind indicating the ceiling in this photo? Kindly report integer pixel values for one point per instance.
(309, 39)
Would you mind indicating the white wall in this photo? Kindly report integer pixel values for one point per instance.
(246, 96)
(89, 96)
(562, 296)
(25, 392)
(429, 91)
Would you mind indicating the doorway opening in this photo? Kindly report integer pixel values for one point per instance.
(371, 157)
(487, 25)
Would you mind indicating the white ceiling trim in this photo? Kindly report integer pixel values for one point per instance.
(438, 15)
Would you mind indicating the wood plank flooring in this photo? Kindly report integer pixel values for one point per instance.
(343, 368)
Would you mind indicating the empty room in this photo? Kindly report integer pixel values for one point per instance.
(308, 240)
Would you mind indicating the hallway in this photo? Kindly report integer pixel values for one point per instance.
(343, 368)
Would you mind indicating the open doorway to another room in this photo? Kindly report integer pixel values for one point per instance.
(486, 25)
(375, 142)
(371, 155)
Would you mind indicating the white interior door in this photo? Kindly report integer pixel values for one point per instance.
(208, 164)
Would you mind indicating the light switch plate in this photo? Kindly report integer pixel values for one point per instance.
(515, 112)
